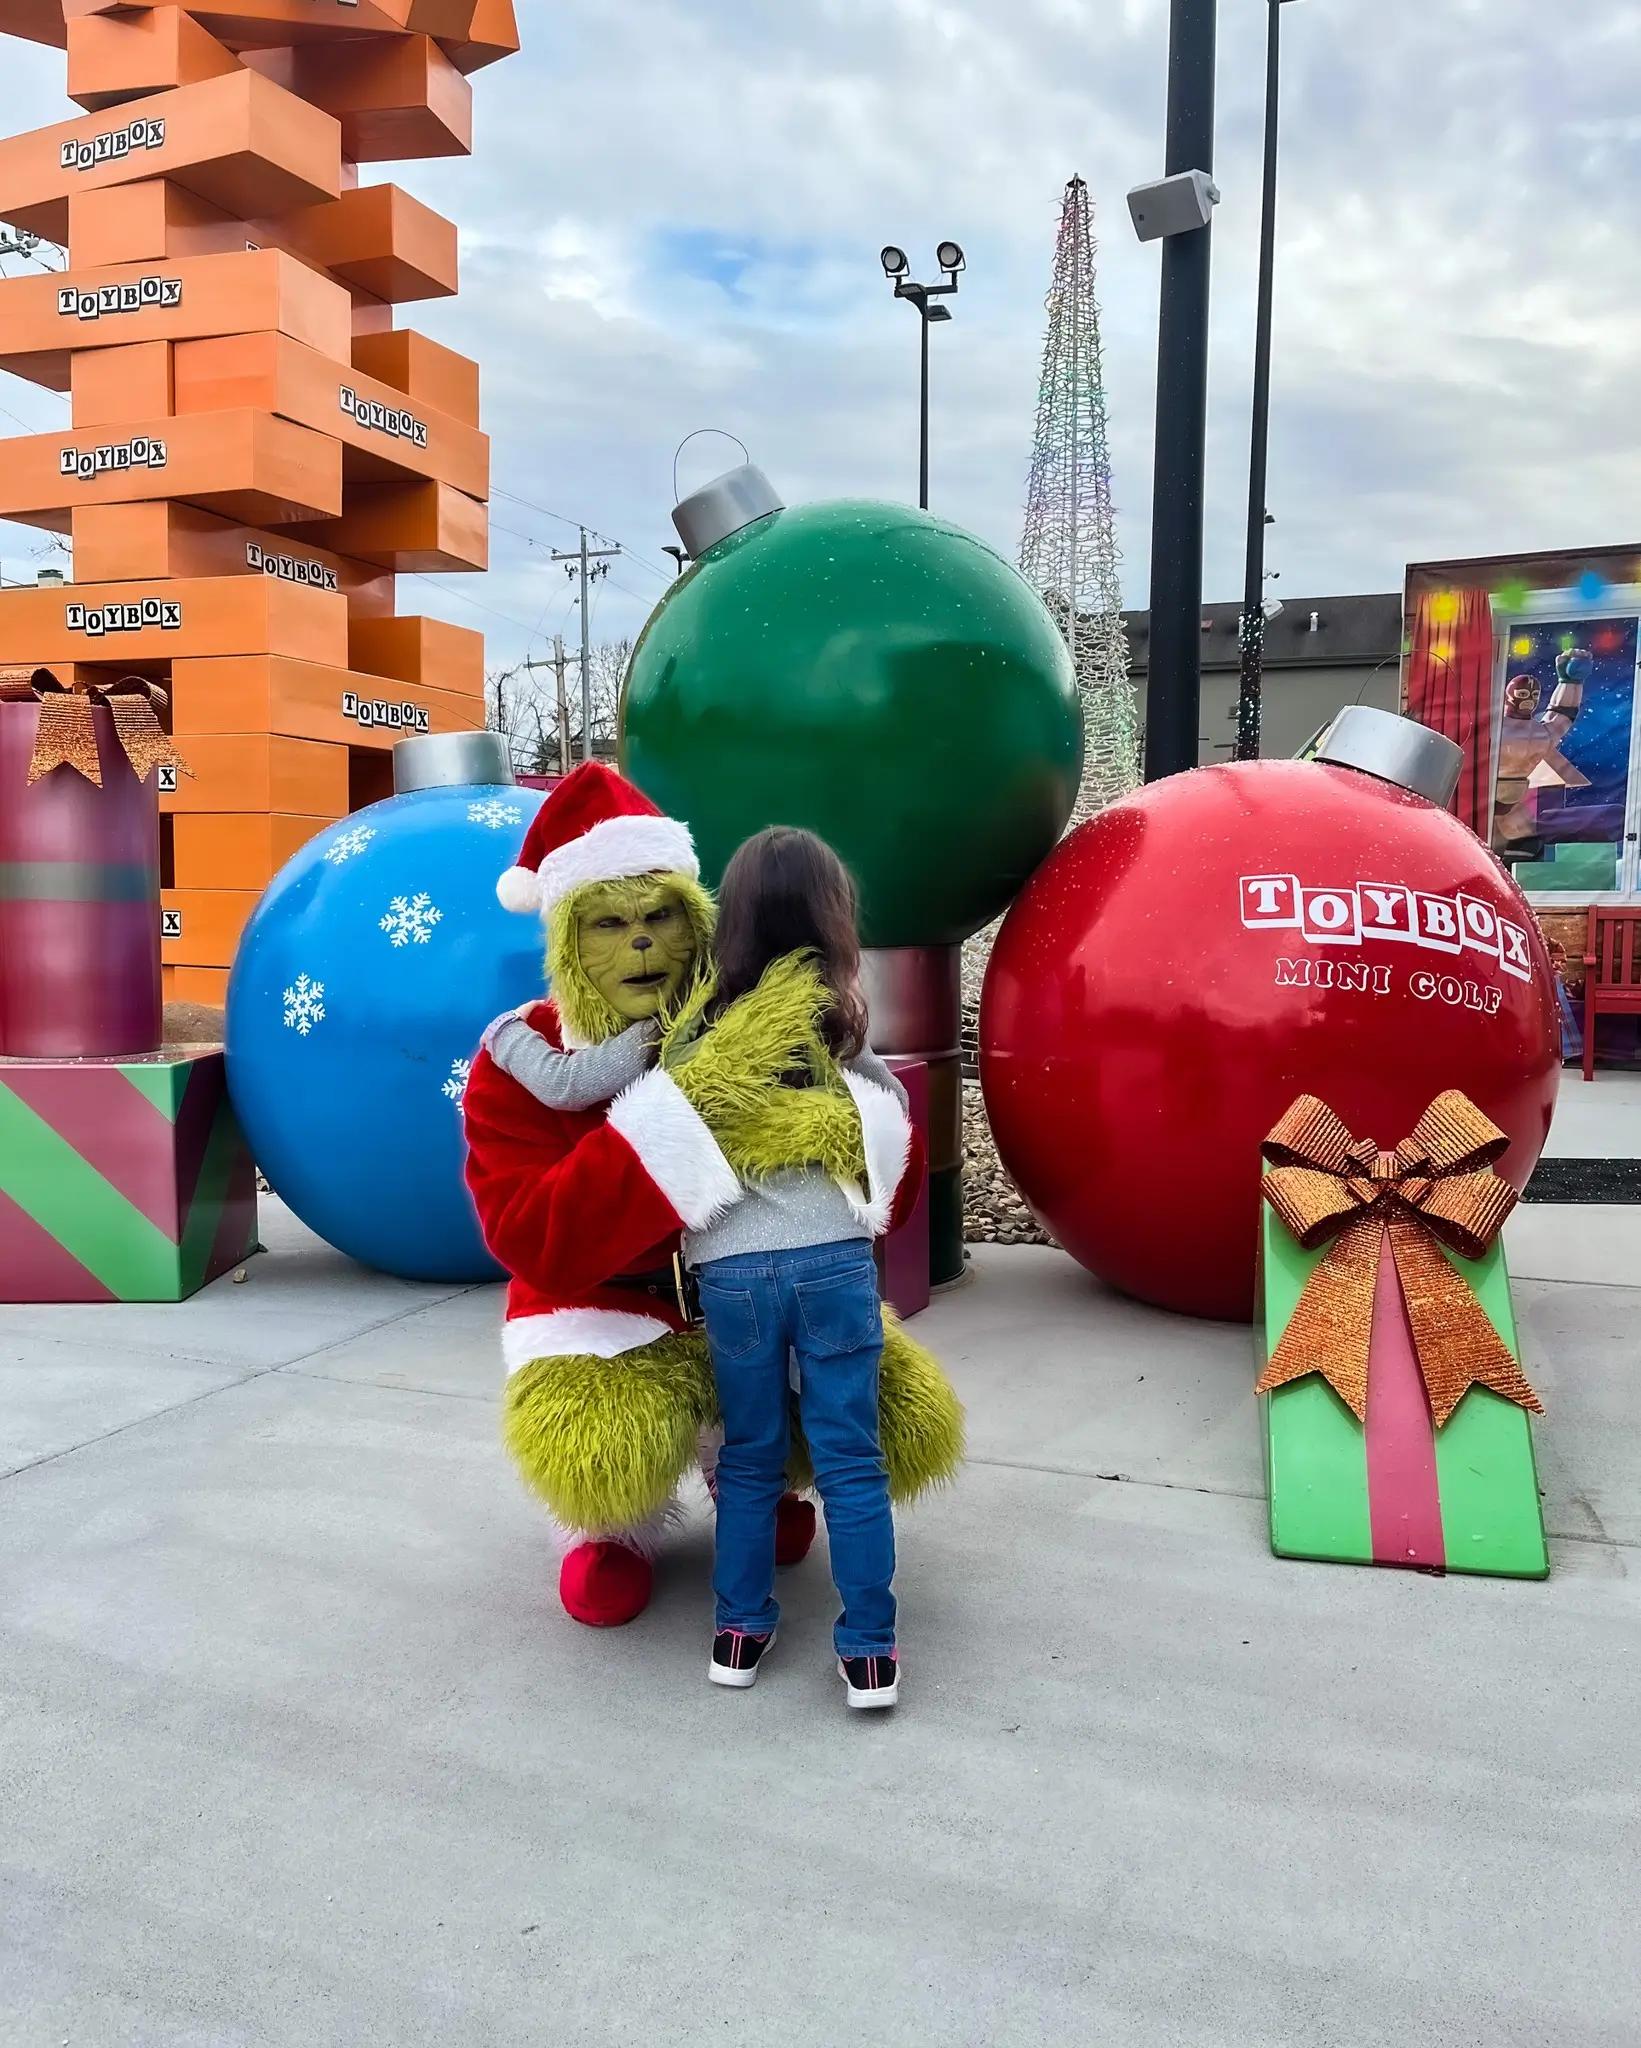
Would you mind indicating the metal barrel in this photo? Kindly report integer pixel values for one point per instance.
(79, 901)
(914, 999)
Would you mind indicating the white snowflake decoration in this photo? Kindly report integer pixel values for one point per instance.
(456, 1087)
(304, 1005)
(410, 919)
(494, 813)
(346, 844)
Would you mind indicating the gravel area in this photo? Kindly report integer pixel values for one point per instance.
(994, 1211)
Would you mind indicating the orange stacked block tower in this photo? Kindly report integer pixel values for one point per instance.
(256, 449)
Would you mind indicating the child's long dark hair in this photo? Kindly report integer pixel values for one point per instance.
(785, 891)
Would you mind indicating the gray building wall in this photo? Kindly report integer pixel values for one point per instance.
(1351, 656)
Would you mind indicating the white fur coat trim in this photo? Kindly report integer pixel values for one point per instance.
(576, 1332)
(887, 1131)
(675, 1148)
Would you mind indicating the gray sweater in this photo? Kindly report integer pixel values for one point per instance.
(792, 1209)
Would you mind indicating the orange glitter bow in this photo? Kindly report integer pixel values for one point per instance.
(66, 734)
(1436, 1188)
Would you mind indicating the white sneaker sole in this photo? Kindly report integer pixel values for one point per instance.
(721, 1674)
(879, 1696)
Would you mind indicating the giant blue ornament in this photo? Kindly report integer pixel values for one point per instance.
(364, 980)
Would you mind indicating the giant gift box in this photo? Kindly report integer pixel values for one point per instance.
(1396, 1427)
(121, 1180)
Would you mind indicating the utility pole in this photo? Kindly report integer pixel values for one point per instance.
(563, 705)
(558, 664)
(581, 558)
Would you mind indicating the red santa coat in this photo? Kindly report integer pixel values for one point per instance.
(570, 1200)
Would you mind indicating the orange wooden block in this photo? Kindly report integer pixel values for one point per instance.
(253, 24)
(115, 384)
(258, 771)
(118, 57)
(373, 238)
(422, 651)
(124, 543)
(204, 985)
(240, 142)
(385, 436)
(422, 369)
(395, 96)
(376, 238)
(493, 35)
(146, 222)
(43, 320)
(202, 927)
(38, 21)
(246, 465)
(239, 849)
(424, 529)
(310, 700)
(158, 622)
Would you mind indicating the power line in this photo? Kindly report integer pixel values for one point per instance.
(452, 591)
(580, 525)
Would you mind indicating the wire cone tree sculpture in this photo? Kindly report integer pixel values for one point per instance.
(1068, 552)
(1068, 549)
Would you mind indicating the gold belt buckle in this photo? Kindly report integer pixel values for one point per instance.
(680, 1288)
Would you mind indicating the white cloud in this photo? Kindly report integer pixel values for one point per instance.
(673, 214)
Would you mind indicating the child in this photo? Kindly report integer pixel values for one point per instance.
(786, 1273)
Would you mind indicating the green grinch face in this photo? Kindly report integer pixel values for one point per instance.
(636, 943)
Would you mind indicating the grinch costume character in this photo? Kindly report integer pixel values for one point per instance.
(584, 1188)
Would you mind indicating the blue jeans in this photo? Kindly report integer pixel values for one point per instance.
(819, 1305)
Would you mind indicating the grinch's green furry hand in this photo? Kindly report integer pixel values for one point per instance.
(796, 1127)
(727, 1069)
(732, 1070)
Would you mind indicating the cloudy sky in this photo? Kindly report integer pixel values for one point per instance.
(673, 213)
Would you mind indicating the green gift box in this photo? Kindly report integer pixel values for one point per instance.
(1395, 1410)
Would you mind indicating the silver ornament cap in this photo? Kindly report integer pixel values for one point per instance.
(724, 506)
(451, 760)
(1395, 749)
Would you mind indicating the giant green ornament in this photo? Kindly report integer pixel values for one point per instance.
(871, 672)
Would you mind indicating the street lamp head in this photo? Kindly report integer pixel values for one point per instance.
(894, 261)
(950, 258)
(937, 312)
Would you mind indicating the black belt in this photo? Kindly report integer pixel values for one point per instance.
(669, 1284)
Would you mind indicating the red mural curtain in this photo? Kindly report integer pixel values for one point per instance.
(1450, 688)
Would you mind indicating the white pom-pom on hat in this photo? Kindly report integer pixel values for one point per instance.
(519, 889)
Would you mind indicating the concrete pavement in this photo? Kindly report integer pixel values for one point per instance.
(297, 1748)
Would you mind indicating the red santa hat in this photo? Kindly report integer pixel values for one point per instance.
(595, 827)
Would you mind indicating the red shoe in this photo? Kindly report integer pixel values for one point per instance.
(794, 1529)
(604, 1584)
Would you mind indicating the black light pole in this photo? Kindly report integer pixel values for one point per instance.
(1174, 685)
(1253, 583)
(895, 266)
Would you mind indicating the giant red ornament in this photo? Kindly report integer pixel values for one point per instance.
(1185, 964)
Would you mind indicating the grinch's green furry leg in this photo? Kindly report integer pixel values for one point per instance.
(604, 1441)
(920, 1420)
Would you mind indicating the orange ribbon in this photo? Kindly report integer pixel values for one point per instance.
(1437, 1188)
(66, 734)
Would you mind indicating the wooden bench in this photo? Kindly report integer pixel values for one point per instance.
(1612, 971)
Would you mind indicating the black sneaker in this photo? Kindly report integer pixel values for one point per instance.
(736, 1657)
(871, 1681)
